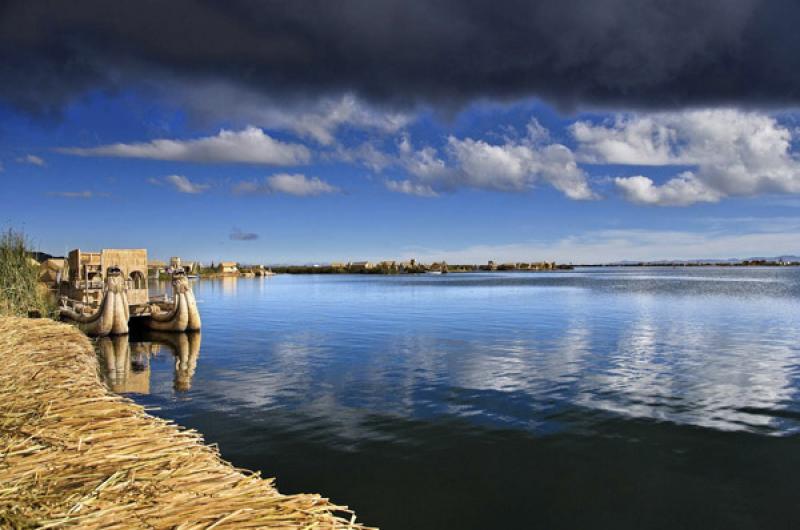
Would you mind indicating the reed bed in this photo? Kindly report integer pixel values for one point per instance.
(73, 454)
(19, 277)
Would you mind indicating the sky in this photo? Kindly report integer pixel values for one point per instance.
(580, 132)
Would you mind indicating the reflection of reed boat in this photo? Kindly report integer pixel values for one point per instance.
(101, 307)
(126, 364)
(186, 348)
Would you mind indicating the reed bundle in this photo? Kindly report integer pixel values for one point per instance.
(73, 454)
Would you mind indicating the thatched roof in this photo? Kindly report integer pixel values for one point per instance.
(49, 269)
(74, 454)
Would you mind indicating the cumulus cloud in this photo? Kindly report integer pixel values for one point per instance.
(32, 159)
(683, 190)
(365, 154)
(514, 165)
(318, 119)
(299, 185)
(424, 164)
(410, 188)
(238, 235)
(182, 184)
(518, 166)
(250, 145)
(730, 153)
(291, 184)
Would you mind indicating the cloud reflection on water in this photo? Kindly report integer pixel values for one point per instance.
(336, 353)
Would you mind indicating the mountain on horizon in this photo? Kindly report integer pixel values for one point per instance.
(785, 257)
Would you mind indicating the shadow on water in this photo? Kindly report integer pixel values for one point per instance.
(125, 360)
(446, 474)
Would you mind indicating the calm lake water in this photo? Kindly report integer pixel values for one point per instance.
(594, 398)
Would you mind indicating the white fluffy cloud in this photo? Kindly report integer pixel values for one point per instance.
(683, 190)
(297, 184)
(318, 119)
(182, 184)
(730, 153)
(411, 188)
(514, 165)
(365, 154)
(250, 145)
(519, 166)
(424, 163)
(323, 119)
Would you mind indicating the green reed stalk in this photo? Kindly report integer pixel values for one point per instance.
(19, 277)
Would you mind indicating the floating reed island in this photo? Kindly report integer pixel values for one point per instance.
(73, 454)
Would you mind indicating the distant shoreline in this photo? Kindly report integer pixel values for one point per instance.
(308, 270)
(725, 264)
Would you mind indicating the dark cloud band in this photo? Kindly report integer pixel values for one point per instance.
(645, 53)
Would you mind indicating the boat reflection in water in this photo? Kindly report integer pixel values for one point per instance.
(126, 359)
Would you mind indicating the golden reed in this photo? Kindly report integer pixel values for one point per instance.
(73, 454)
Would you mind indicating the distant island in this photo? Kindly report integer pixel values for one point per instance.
(52, 267)
(411, 266)
(161, 270)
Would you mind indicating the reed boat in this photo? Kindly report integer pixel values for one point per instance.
(102, 299)
(110, 318)
(180, 314)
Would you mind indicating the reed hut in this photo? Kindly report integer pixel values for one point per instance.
(87, 271)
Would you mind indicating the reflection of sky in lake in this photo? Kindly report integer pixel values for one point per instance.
(510, 350)
(347, 362)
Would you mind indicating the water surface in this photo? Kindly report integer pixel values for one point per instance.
(596, 398)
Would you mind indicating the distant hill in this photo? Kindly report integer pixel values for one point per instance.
(628, 263)
(776, 258)
(42, 256)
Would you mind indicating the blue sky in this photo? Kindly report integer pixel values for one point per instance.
(338, 179)
(309, 132)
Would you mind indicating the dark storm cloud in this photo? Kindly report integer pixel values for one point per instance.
(650, 53)
(238, 235)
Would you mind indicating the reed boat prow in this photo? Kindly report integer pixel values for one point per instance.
(110, 318)
(182, 316)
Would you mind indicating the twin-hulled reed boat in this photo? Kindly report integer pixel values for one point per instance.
(104, 299)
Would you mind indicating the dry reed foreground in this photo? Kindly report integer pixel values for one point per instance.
(74, 454)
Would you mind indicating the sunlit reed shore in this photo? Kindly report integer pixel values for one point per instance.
(73, 453)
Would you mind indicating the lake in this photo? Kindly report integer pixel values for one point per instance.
(614, 398)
